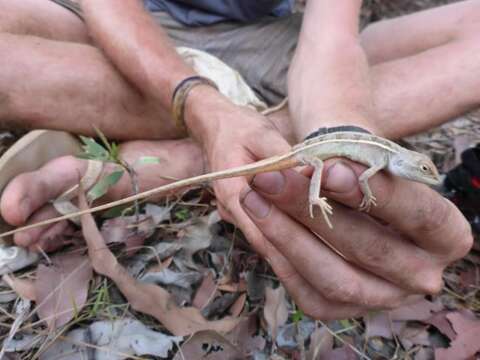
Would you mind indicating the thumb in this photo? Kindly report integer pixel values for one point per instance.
(340, 182)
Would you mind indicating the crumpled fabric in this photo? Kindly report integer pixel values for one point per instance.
(229, 81)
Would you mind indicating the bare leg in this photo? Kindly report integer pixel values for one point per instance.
(425, 67)
(408, 35)
(47, 83)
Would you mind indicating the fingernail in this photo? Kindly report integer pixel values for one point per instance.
(270, 183)
(25, 207)
(256, 205)
(340, 178)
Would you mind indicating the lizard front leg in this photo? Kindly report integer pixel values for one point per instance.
(368, 197)
(314, 197)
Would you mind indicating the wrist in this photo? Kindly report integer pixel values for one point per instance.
(201, 108)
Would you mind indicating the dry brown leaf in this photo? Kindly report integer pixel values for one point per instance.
(241, 286)
(161, 266)
(275, 310)
(439, 320)
(208, 345)
(61, 289)
(147, 298)
(23, 287)
(419, 309)
(467, 343)
(206, 291)
(244, 338)
(321, 343)
(237, 307)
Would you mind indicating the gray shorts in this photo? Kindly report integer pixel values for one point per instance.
(260, 51)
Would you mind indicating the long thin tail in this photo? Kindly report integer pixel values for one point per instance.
(271, 164)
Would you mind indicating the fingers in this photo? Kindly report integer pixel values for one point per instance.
(328, 273)
(305, 295)
(361, 239)
(414, 209)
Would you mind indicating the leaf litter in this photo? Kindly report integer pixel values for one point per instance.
(175, 282)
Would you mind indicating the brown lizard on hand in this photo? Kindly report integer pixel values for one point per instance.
(349, 142)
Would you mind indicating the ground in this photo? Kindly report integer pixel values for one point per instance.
(207, 272)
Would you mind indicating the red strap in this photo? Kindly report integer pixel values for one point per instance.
(476, 182)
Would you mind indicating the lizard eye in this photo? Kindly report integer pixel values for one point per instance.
(424, 168)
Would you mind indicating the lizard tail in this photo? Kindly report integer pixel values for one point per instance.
(271, 164)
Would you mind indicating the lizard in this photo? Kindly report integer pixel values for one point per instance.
(351, 142)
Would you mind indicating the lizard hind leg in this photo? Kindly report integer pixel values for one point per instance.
(314, 198)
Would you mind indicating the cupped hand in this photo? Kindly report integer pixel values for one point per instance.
(367, 261)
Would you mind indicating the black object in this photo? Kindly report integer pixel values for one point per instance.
(329, 130)
(462, 185)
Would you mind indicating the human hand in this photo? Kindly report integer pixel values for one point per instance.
(232, 136)
(399, 249)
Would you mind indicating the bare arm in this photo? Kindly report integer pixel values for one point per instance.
(329, 51)
(143, 53)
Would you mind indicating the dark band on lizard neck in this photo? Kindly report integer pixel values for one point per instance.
(334, 129)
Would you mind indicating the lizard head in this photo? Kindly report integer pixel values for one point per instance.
(414, 166)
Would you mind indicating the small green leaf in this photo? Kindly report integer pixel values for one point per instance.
(345, 323)
(102, 186)
(297, 316)
(93, 150)
(182, 214)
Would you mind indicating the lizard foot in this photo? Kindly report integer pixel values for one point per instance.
(367, 203)
(325, 208)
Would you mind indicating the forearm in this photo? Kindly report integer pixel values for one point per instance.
(136, 45)
(143, 53)
(329, 77)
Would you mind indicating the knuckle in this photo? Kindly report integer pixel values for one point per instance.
(463, 241)
(432, 216)
(428, 282)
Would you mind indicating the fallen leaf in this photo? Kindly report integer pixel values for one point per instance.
(237, 307)
(147, 298)
(61, 289)
(23, 287)
(439, 320)
(343, 353)
(112, 340)
(208, 345)
(161, 266)
(197, 236)
(220, 305)
(22, 309)
(418, 310)
(321, 343)
(185, 280)
(290, 334)
(128, 230)
(13, 258)
(467, 343)
(414, 335)
(378, 324)
(206, 291)
(244, 338)
(275, 310)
